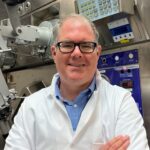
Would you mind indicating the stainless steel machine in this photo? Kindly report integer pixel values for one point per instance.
(123, 26)
(13, 33)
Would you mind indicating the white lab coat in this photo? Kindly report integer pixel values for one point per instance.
(42, 122)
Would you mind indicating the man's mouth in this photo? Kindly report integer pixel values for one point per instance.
(77, 65)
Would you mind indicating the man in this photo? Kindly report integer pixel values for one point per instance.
(80, 110)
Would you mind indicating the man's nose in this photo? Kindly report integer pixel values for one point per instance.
(77, 52)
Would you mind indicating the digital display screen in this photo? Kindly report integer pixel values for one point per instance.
(121, 30)
(127, 84)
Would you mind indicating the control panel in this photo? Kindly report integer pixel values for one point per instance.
(118, 59)
(122, 69)
(97, 9)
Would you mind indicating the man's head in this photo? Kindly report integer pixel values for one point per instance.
(76, 50)
(75, 16)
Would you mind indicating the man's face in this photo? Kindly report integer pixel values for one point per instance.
(76, 67)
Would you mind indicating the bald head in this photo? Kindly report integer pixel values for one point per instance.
(74, 18)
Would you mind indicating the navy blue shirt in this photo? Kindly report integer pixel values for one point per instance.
(75, 107)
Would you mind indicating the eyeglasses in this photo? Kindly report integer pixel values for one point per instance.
(68, 47)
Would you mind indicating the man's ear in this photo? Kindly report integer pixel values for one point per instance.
(53, 51)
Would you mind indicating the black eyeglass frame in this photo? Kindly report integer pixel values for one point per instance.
(76, 44)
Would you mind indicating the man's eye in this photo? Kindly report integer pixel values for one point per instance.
(86, 46)
(67, 45)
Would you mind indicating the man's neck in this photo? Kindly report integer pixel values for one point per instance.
(70, 92)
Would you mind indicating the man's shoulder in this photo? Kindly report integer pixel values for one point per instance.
(40, 93)
(108, 87)
(111, 93)
(38, 97)
(115, 89)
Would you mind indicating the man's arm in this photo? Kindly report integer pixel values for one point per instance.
(128, 121)
(21, 134)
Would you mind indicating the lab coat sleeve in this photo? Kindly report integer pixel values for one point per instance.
(21, 136)
(130, 122)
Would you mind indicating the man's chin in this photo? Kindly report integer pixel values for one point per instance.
(76, 77)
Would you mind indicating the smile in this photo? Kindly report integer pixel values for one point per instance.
(77, 65)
